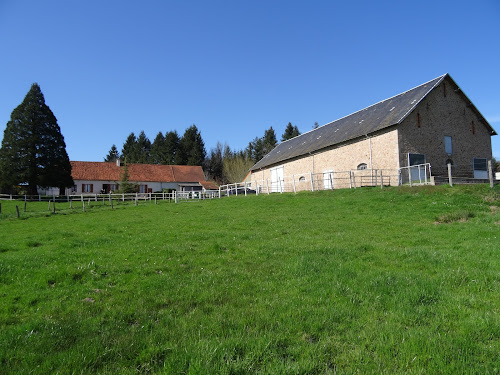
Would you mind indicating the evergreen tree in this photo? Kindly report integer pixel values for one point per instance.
(255, 149)
(126, 187)
(33, 150)
(129, 149)
(158, 155)
(269, 141)
(113, 154)
(290, 132)
(171, 146)
(214, 163)
(143, 149)
(191, 148)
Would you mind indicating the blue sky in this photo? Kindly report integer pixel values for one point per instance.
(235, 68)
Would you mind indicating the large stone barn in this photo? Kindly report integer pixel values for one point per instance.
(411, 137)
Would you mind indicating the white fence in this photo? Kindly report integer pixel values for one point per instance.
(136, 197)
(415, 175)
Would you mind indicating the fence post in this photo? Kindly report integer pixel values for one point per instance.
(48, 208)
(267, 183)
(24, 206)
(17, 210)
(54, 207)
(312, 182)
(409, 177)
(96, 197)
(450, 179)
(39, 198)
(71, 203)
(381, 180)
(83, 205)
(175, 196)
(111, 201)
(490, 173)
(293, 182)
(219, 192)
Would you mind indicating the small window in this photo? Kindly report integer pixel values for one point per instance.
(302, 179)
(447, 145)
(362, 166)
(416, 159)
(87, 188)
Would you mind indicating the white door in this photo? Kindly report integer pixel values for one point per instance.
(277, 180)
(328, 180)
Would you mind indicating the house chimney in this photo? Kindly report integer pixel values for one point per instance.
(118, 162)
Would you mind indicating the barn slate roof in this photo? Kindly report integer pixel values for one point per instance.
(381, 115)
(103, 171)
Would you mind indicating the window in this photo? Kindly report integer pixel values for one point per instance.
(418, 170)
(302, 179)
(416, 159)
(361, 166)
(87, 188)
(143, 188)
(447, 145)
(480, 168)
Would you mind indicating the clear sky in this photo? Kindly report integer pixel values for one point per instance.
(235, 68)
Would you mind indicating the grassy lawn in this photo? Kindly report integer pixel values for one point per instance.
(351, 281)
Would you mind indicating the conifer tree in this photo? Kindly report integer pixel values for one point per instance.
(191, 148)
(269, 141)
(129, 149)
(158, 155)
(290, 132)
(126, 187)
(33, 150)
(171, 146)
(143, 149)
(113, 154)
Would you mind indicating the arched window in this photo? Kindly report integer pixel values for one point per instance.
(302, 179)
(362, 166)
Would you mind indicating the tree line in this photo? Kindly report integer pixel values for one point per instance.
(221, 164)
(33, 152)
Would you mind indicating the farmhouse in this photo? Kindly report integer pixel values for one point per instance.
(404, 138)
(97, 177)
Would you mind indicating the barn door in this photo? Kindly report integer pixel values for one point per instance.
(277, 180)
(328, 180)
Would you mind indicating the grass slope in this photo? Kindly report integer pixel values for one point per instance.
(352, 281)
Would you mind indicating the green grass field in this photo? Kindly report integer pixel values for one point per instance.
(361, 281)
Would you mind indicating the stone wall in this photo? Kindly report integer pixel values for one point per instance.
(445, 112)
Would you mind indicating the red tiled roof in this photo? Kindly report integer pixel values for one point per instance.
(209, 185)
(103, 171)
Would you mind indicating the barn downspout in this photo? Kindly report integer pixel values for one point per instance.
(371, 161)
